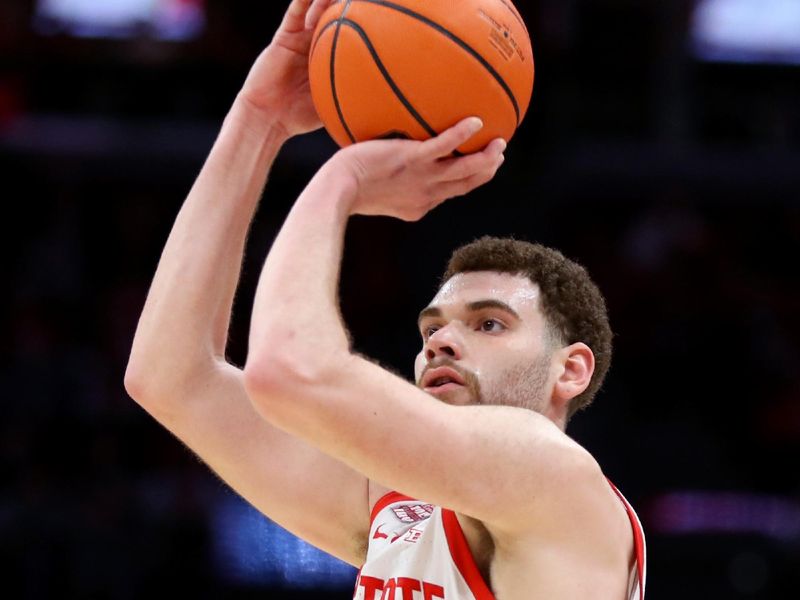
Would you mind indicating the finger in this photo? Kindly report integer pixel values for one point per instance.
(295, 18)
(315, 12)
(450, 139)
(454, 169)
(496, 147)
(451, 189)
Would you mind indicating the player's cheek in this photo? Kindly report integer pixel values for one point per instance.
(419, 365)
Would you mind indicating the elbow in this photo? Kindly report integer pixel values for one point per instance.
(270, 383)
(136, 381)
(258, 380)
(143, 389)
(146, 389)
(289, 370)
(157, 385)
(275, 378)
(140, 372)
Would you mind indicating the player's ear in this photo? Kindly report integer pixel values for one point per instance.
(577, 366)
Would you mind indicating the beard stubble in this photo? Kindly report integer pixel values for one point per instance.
(521, 386)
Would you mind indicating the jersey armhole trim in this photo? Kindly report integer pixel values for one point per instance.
(386, 500)
(639, 543)
(462, 556)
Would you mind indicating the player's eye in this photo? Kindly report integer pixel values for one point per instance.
(491, 326)
(429, 331)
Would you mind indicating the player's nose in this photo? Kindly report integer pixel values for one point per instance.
(444, 342)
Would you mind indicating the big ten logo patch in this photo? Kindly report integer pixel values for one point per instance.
(413, 513)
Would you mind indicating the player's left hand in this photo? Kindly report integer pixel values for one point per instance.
(277, 86)
(406, 179)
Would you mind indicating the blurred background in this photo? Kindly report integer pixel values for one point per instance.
(661, 150)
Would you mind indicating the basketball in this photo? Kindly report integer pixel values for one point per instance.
(413, 68)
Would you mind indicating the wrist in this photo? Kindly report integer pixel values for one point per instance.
(260, 122)
(338, 186)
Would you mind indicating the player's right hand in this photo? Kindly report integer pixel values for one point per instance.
(406, 179)
(277, 86)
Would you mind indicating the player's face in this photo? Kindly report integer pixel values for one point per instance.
(485, 342)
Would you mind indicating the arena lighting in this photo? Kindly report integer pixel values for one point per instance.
(171, 20)
(734, 512)
(747, 31)
(250, 550)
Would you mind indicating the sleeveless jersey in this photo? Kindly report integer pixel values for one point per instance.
(418, 551)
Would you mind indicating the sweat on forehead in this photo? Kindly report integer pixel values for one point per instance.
(514, 290)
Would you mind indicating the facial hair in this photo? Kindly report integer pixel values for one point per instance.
(470, 379)
(522, 385)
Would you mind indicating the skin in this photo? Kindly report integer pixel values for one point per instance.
(537, 512)
(503, 353)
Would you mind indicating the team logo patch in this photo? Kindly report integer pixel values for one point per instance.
(413, 513)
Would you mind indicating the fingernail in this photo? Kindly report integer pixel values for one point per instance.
(475, 123)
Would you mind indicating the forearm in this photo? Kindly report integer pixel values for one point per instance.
(296, 310)
(187, 312)
(296, 324)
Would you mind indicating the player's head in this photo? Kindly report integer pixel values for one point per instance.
(519, 324)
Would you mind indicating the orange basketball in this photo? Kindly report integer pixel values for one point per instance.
(413, 68)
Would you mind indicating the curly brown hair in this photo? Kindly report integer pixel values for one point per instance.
(571, 302)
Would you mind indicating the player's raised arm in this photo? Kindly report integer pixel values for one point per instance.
(302, 376)
(177, 369)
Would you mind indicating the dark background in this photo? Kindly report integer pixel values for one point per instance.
(675, 181)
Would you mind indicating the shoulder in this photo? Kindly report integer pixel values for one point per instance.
(584, 517)
(577, 496)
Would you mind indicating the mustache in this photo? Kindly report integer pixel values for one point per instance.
(468, 376)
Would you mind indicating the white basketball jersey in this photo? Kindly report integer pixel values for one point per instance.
(418, 551)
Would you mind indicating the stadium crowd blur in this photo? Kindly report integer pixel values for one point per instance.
(672, 173)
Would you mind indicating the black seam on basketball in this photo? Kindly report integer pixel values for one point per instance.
(453, 37)
(397, 92)
(327, 26)
(333, 72)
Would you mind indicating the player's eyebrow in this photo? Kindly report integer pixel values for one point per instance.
(435, 311)
(491, 303)
(430, 311)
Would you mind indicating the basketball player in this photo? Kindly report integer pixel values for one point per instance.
(463, 486)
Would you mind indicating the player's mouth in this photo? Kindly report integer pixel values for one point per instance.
(440, 380)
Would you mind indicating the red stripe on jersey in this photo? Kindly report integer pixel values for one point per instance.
(462, 556)
(638, 539)
(386, 500)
